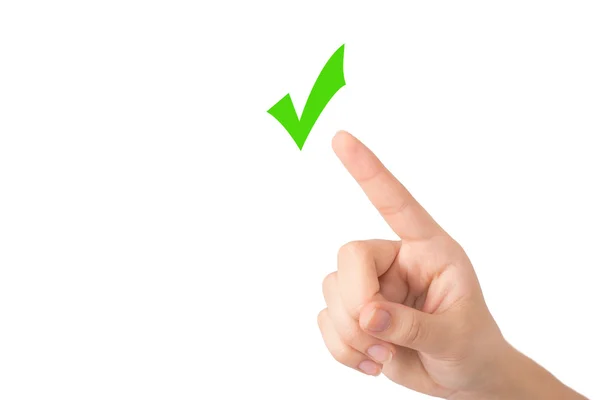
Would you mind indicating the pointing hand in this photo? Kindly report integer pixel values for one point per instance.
(413, 308)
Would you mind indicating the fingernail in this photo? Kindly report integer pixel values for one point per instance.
(379, 321)
(369, 367)
(380, 353)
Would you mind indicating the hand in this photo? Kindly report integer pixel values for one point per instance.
(413, 309)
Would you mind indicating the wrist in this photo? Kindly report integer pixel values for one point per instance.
(517, 377)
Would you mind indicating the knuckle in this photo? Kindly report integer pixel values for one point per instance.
(321, 318)
(350, 334)
(393, 209)
(329, 282)
(341, 354)
(411, 329)
(357, 248)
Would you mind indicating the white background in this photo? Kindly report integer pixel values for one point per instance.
(162, 237)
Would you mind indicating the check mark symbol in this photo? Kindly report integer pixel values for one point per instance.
(330, 80)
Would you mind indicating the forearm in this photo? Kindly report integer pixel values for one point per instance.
(520, 378)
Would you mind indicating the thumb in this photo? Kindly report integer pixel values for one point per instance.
(404, 326)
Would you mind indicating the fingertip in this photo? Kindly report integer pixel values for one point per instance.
(366, 314)
(370, 368)
(342, 142)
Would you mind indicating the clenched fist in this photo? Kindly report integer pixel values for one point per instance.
(413, 308)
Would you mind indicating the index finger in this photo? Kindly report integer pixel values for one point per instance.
(396, 205)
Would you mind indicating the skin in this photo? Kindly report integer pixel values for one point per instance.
(413, 309)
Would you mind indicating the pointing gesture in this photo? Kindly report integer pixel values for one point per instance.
(397, 206)
(413, 310)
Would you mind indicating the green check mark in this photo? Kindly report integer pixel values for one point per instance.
(330, 80)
